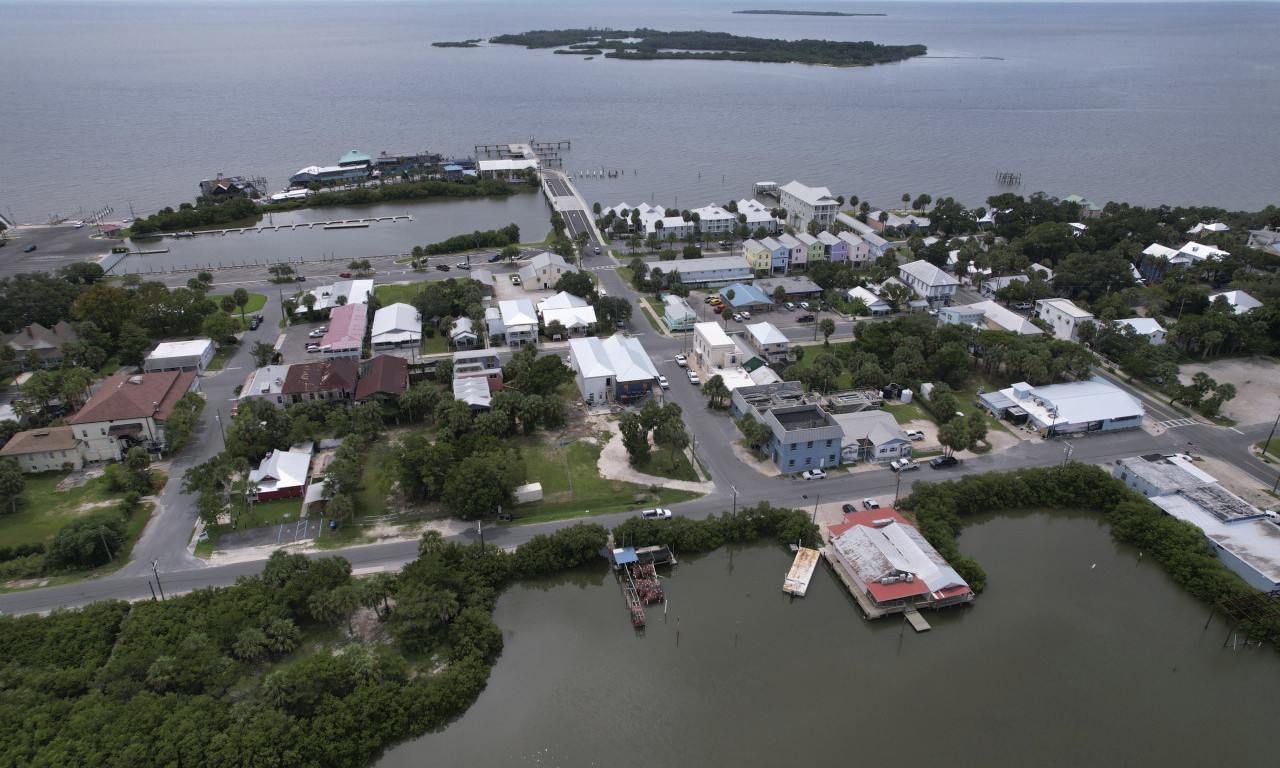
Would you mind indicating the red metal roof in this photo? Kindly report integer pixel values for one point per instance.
(347, 325)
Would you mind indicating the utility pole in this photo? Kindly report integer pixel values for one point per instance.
(156, 570)
(735, 502)
(110, 557)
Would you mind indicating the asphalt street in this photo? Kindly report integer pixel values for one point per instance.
(163, 547)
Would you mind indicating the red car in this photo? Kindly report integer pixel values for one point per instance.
(344, 274)
(719, 308)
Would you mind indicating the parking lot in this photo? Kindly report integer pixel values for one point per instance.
(292, 344)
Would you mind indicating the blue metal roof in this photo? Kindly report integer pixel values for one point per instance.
(453, 167)
(744, 294)
(625, 555)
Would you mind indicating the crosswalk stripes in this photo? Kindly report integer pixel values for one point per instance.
(1171, 423)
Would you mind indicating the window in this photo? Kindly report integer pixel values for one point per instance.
(810, 445)
(828, 443)
(791, 463)
(84, 433)
(64, 454)
(808, 461)
(102, 431)
(793, 447)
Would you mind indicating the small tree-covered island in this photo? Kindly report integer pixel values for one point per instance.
(653, 44)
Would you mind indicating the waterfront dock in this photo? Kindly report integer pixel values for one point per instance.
(335, 224)
(637, 574)
(801, 573)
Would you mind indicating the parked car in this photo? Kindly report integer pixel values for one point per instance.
(719, 308)
(813, 474)
(693, 378)
(915, 434)
(848, 509)
(78, 224)
(804, 305)
(515, 279)
(442, 267)
(682, 361)
(655, 514)
(463, 265)
(313, 347)
(791, 305)
(254, 323)
(902, 465)
(943, 461)
(744, 315)
(29, 248)
(715, 301)
(495, 257)
(706, 299)
(662, 381)
(317, 333)
(870, 503)
(1023, 305)
(804, 318)
(344, 274)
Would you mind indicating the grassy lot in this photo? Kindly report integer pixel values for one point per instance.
(625, 274)
(1271, 453)
(591, 494)
(265, 513)
(221, 356)
(659, 464)
(397, 293)
(646, 309)
(256, 302)
(42, 510)
(375, 480)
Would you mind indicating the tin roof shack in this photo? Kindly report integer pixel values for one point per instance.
(890, 567)
(1245, 539)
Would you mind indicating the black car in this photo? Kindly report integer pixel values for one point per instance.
(29, 248)
(254, 323)
(848, 509)
(804, 318)
(495, 257)
(943, 461)
(442, 267)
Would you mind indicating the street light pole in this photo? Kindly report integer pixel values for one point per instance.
(735, 502)
(155, 569)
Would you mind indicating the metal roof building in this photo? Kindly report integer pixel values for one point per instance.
(893, 563)
(1078, 406)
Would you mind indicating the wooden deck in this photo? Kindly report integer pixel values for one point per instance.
(801, 573)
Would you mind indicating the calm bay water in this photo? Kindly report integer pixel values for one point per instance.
(112, 103)
(1058, 664)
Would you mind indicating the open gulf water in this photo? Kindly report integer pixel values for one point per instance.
(118, 103)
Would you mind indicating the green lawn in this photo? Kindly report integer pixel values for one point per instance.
(256, 302)
(625, 273)
(1272, 451)
(401, 293)
(221, 356)
(265, 513)
(647, 311)
(659, 464)
(42, 510)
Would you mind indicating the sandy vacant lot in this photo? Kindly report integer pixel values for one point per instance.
(1257, 383)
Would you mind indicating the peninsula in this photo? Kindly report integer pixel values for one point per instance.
(809, 13)
(654, 44)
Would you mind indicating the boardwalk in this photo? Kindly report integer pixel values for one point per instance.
(335, 224)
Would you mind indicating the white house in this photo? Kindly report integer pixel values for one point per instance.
(519, 322)
(989, 315)
(1239, 300)
(397, 325)
(804, 204)
(930, 283)
(1145, 326)
(872, 435)
(193, 355)
(758, 216)
(463, 333)
(1063, 316)
(617, 368)
(712, 347)
(770, 343)
(281, 475)
(875, 305)
(355, 292)
(709, 271)
(713, 218)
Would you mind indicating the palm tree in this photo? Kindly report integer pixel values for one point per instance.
(282, 635)
(250, 645)
(241, 297)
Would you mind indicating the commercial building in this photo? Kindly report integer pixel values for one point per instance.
(930, 283)
(891, 565)
(1245, 539)
(352, 291)
(129, 410)
(396, 325)
(355, 166)
(740, 296)
(281, 475)
(46, 449)
(345, 338)
(330, 380)
(615, 369)
(796, 288)
(267, 383)
(712, 347)
(715, 270)
(194, 355)
(1063, 316)
(544, 271)
(804, 204)
(804, 437)
(1063, 409)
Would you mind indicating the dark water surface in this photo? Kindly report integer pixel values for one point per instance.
(1060, 663)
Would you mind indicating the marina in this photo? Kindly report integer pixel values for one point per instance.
(335, 224)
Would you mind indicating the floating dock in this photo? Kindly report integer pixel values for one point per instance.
(917, 621)
(801, 573)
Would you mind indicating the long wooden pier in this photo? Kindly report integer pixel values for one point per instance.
(335, 224)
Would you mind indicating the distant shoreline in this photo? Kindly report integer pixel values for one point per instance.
(809, 13)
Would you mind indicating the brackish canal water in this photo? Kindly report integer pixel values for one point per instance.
(1078, 654)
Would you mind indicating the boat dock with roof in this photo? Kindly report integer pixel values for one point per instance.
(637, 574)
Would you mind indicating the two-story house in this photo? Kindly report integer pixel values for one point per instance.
(804, 204)
(544, 271)
(930, 283)
(771, 344)
(1063, 316)
(129, 410)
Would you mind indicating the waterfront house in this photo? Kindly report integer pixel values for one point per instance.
(1088, 210)
(758, 216)
(129, 410)
(797, 253)
(716, 220)
(804, 204)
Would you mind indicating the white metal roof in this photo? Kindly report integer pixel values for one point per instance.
(1078, 402)
(472, 390)
(570, 317)
(506, 164)
(1143, 325)
(282, 469)
(1242, 301)
(1006, 319)
(180, 349)
(878, 552)
(1066, 307)
(812, 195)
(766, 333)
(928, 274)
(623, 358)
(396, 318)
(713, 333)
(562, 300)
(517, 312)
(870, 299)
